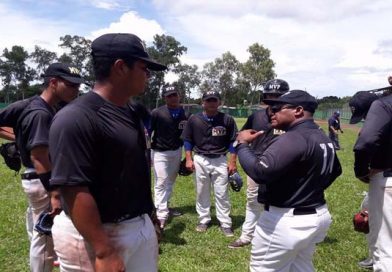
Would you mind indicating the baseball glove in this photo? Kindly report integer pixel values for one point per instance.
(361, 221)
(183, 171)
(235, 181)
(44, 224)
(11, 156)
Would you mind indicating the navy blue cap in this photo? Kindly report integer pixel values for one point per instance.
(168, 90)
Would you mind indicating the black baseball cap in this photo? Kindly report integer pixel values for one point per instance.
(360, 104)
(123, 45)
(168, 90)
(211, 94)
(65, 71)
(295, 98)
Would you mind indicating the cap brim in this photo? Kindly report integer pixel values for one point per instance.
(273, 101)
(153, 65)
(356, 118)
(75, 80)
(211, 96)
(171, 92)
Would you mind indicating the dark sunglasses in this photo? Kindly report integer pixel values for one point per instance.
(211, 100)
(276, 108)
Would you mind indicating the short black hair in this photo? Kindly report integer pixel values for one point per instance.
(102, 66)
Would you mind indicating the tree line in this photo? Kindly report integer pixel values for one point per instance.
(237, 82)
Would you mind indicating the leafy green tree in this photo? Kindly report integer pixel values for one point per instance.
(42, 58)
(15, 72)
(79, 54)
(257, 69)
(188, 79)
(166, 50)
(221, 75)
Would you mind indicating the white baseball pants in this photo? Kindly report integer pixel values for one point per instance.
(41, 246)
(286, 242)
(253, 210)
(212, 172)
(166, 165)
(380, 221)
(135, 238)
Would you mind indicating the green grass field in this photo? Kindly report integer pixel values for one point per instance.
(183, 249)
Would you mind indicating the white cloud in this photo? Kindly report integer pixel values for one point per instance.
(18, 28)
(324, 46)
(111, 4)
(131, 22)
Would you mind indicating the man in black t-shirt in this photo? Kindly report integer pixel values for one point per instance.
(30, 120)
(210, 134)
(167, 124)
(296, 168)
(259, 121)
(98, 149)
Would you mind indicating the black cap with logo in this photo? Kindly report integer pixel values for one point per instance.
(360, 104)
(168, 90)
(65, 71)
(295, 98)
(211, 94)
(123, 45)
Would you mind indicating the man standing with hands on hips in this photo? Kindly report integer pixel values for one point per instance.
(211, 134)
(98, 149)
(296, 168)
(167, 124)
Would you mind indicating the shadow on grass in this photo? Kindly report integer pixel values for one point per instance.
(172, 234)
(330, 240)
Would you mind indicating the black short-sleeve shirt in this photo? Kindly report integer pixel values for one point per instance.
(167, 130)
(102, 146)
(210, 135)
(31, 125)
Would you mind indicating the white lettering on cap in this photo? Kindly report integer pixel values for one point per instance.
(74, 70)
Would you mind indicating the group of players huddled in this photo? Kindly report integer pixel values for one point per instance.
(87, 166)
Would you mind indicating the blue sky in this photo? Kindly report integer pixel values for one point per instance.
(328, 47)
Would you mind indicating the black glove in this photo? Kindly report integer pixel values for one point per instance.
(183, 171)
(11, 156)
(44, 223)
(235, 181)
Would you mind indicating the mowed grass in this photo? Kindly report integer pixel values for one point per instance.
(183, 249)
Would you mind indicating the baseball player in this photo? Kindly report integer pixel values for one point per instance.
(98, 149)
(167, 124)
(211, 134)
(258, 121)
(296, 167)
(360, 104)
(334, 128)
(30, 121)
(373, 164)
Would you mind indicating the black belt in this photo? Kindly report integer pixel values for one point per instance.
(212, 156)
(31, 175)
(296, 211)
(388, 173)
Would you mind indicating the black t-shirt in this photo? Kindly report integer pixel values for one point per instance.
(210, 135)
(373, 148)
(166, 129)
(296, 168)
(31, 121)
(100, 145)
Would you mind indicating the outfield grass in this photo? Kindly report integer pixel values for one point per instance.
(183, 249)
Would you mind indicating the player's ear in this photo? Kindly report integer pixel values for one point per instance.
(299, 111)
